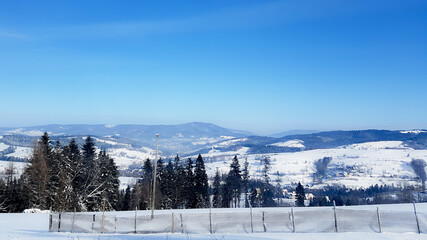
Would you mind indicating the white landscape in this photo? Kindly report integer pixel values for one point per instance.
(355, 166)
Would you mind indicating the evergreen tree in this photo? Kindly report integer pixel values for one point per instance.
(178, 184)
(266, 169)
(201, 187)
(126, 199)
(234, 182)
(300, 194)
(167, 185)
(75, 171)
(217, 193)
(36, 175)
(189, 185)
(91, 194)
(143, 191)
(109, 181)
(245, 181)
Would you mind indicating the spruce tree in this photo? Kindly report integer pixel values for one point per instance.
(167, 186)
(217, 193)
(300, 194)
(245, 181)
(74, 164)
(126, 199)
(189, 185)
(178, 184)
(234, 182)
(91, 176)
(201, 184)
(109, 181)
(36, 174)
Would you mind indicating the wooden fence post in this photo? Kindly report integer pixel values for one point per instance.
(379, 219)
(335, 218)
(416, 218)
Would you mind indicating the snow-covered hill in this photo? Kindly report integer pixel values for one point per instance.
(359, 158)
(355, 165)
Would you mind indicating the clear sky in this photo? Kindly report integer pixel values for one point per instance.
(262, 66)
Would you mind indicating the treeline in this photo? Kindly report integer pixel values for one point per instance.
(376, 194)
(62, 178)
(184, 184)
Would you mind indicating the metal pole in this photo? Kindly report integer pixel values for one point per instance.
(252, 224)
(173, 223)
(210, 220)
(416, 218)
(93, 222)
(50, 219)
(50, 222)
(263, 221)
(136, 210)
(59, 223)
(293, 220)
(72, 223)
(155, 178)
(335, 217)
(182, 224)
(379, 219)
(103, 216)
(115, 223)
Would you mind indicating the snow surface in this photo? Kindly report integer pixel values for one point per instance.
(32, 133)
(413, 131)
(21, 152)
(210, 140)
(291, 143)
(125, 181)
(35, 226)
(19, 166)
(3, 146)
(356, 165)
(125, 157)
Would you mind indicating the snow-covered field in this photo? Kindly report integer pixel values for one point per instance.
(35, 226)
(356, 165)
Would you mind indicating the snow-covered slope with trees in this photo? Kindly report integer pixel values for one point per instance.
(359, 158)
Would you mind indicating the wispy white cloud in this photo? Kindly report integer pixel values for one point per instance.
(12, 35)
(243, 17)
(271, 13)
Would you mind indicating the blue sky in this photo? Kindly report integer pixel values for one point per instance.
(262, 66)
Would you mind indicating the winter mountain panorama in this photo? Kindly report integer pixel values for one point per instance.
(355, 159)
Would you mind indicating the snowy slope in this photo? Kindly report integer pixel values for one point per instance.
(356, 165)
(356, 162)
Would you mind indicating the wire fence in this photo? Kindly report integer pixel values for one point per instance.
(301, 220)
